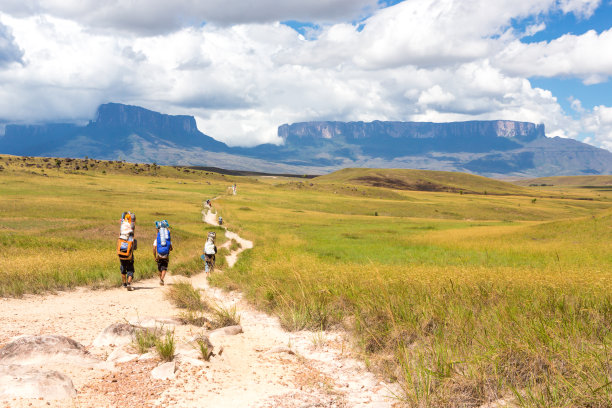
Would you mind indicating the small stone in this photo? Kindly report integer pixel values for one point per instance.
(280, 349)
(232, 330)
(164, 371)
(121, 356)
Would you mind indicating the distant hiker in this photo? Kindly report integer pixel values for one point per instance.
(162, 245)
(208, 203)
(235, 188)
(210, 249)
(126, 245)
(220, 220)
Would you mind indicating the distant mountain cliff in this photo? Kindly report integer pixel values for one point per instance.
(115, 115)
(391, 140)
(116, 131)
(492, 148)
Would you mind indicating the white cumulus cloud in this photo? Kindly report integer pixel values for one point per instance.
(429, 60)
(584, 56)
(152, 17)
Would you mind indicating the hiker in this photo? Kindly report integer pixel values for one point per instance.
(126, 245)
(208, 203)
(220, 220)
(210, 249)
(162, 245)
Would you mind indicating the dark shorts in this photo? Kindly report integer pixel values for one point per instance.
(162, 264)
(127, 267)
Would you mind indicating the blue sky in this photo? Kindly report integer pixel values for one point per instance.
(570, 88)
(243, 68)
(557, 24)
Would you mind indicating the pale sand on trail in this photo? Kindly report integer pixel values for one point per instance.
(263, 367)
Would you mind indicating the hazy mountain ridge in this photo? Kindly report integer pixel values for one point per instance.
(492, 148)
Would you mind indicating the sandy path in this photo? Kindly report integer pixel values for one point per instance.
(262, 367)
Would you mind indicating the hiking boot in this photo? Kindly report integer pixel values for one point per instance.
(161, 282)
(125, 285)
(129, 287)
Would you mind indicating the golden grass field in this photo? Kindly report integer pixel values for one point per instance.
(60, 230)
(462, 297)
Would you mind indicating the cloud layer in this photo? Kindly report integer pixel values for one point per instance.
(243, 73)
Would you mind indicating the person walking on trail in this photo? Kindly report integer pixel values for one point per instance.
(126, 245)
(210, 249)
(162, 245)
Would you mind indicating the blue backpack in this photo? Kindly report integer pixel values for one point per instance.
(163, 241)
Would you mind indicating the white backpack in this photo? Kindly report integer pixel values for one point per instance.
(209, 248)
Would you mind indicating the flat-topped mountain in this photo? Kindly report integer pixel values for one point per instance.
(491, 148)
(116, 115)
(117, 131)
(391, 140)
(472, 135)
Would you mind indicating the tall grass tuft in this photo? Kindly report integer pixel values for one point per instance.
(205, 348)
(235, 245)
(188, 267)
(225, 316)
(144, 339)
(195, 318)
(185, 296)
(166, 346)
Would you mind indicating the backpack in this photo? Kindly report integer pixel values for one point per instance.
(125, 249)
(128, 221)
(126, 230)
(209, 247)
(163, 242)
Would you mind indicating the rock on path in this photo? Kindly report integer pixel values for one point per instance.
(27, 382)
(43, 349)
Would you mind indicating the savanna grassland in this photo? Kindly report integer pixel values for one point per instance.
(469, 292)
(464, 298)
(59, 221)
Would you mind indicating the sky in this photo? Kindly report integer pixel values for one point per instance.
(242, 68)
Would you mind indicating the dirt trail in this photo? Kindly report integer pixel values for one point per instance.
(210, 217)
(262, 367)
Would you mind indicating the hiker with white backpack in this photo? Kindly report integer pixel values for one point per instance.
(161, 248)
(210, 249)
(126, 245)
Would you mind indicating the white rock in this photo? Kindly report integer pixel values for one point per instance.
(187, 351)
(156, 322)
(44, 349)
(280, 349)
(192, 361)
(232, 330)
(147, 356)
(117, 333)
(27, 382)
(227, 331)
(164, 371)
(121, 356)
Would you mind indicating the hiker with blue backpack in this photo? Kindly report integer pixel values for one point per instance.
(161, 248)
